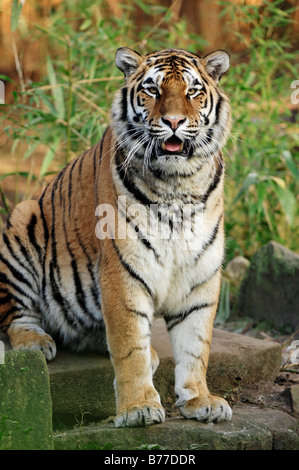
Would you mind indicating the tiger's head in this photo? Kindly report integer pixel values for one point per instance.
(171, 110)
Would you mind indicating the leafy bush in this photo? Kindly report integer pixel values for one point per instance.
(262, 176)
(68, 110)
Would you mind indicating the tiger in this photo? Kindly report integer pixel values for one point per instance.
(75, 275)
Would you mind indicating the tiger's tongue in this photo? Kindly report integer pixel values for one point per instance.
(172, 146)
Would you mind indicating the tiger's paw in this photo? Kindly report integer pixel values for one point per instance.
(31, 339)
(145, 414)
(208, 409)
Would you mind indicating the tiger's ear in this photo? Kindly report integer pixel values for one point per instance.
(216, 64)
(127, 60)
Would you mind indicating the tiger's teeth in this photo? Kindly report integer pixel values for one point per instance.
(163, 145)
(181, 147)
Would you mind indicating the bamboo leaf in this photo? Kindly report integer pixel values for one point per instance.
(6, 78)
(49, 157)
(25, 174)
(287, 156)
(16, 9)
(56, 90)
(85, 25)
(251, 179)
(287, 201)
(278, 181)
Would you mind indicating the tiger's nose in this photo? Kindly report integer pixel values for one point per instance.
(173, 121)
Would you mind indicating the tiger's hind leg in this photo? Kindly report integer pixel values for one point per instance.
(21, 254)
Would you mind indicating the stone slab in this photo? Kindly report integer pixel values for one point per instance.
(82, 385)
(25, 402)
(269, 290)
(237, 360)
(251, 428)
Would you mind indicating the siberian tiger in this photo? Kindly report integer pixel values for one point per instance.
(68, 275)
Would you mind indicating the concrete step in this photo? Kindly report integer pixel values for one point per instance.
(79, 389)
(251, 428)
(82, 384)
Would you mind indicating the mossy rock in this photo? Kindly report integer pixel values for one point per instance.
(25, 402)
(269, 290)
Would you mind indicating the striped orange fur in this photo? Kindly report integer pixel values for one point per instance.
(66, 273)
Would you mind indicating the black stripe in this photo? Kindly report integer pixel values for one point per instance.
(176, 319)
(6, 299)
(61, 301)
(130, 270)
(148, 80)
(61, 196)
(140, 77)
(213, 184)
(95, 283)
(46, 231)
(29, 260)
(96, 162)
(31, 235)
(209, 136)
(211, 239)
(132, 95)
(81, 158)
(9, 312)
(140, 234)
(201, 283)
(165, 177)
(54, 266)
(8, 223)
(124, 115)
(4, 290)
(80, 294)
(5, 280)
(131, 186)
(139, 314)
(203, 90)
(205, 80)
(211, 104)
(136, 348)
(25, 253)
(16, 274)
(53, 235)
(74, 163)
(101, 143)
(217, 109)
(46, 237)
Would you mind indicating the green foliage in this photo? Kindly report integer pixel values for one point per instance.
(68, 110)
(262, 175)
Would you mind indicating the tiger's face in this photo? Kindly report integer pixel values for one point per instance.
(171, 109)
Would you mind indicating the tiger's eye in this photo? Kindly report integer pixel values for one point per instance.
(153, 90)
(192, 91)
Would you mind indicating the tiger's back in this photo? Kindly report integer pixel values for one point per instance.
(155, 181)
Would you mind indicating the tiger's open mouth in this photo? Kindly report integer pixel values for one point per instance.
(175, 146)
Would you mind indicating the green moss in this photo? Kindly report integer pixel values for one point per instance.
(25, 401)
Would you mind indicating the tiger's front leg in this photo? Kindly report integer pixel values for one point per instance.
(128, 312)
(191, 331)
